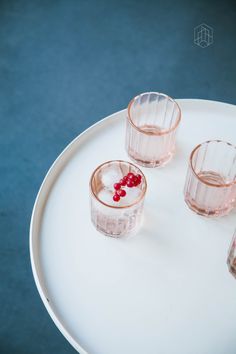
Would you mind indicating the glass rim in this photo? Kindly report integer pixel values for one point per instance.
(200, 178)
(136, 201)
(163, 132)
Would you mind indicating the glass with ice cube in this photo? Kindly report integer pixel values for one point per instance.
(111, 217)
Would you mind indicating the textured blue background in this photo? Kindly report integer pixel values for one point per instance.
(63, 66)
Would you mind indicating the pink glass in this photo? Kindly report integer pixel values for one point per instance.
(152, 122)
(231, 261)
(210, 187)
(116, 218)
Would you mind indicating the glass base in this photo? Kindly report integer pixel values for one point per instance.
(126, 233)
(207, 212)
(151, 164)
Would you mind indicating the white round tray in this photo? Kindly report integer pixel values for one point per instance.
(166, 290)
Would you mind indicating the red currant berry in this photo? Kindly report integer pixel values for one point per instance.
(130, 183)
(116, 197)
(123, 182)
(135, 180)
(130, 175)
(117, 186)
(139, 177)
(121, 193)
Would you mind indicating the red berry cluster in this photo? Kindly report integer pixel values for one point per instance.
(130, 180)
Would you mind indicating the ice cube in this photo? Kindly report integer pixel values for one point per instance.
(132, 194)
(111, 176)
(106, 196)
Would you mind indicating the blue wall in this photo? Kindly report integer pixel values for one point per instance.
(63, 66)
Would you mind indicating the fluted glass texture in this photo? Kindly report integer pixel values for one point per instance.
(210, 187)
(152, 122)
(109, 217)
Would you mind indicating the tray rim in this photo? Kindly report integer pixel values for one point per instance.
(42, 195)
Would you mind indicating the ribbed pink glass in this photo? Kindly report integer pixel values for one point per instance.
(210, 187)
(231, 261)
(152, 122)
(116, 218)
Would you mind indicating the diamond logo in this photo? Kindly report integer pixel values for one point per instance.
(203, 35)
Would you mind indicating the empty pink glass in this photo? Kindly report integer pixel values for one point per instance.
(152, 122)
(210, 187)
(116, 218)
(231, 261)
